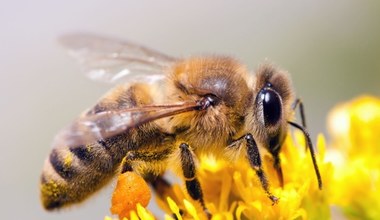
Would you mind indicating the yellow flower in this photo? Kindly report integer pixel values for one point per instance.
(139, 213)
(355, 129)
(233, 191)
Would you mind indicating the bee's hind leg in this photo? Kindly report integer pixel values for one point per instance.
(141, 156)
(189, 171)
(161, 186)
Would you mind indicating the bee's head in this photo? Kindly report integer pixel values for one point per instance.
(272, 100)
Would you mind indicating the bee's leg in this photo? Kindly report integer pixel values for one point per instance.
(189, 171)
(254, 159)
(126, 165)
(160, 184)
(148, 157)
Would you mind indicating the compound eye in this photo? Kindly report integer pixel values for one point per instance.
(270, 103)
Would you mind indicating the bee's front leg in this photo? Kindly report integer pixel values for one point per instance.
(254, 158)
(189, 171)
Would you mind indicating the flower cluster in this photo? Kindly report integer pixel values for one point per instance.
(233, 191)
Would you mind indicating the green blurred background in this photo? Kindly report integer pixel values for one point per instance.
(331, 49)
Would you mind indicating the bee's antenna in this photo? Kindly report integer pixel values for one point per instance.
(312, 153)
(299, 103)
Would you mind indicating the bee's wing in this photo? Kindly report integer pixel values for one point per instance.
(94, 127)
(111, 60)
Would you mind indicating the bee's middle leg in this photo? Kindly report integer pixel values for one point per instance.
(193, 186)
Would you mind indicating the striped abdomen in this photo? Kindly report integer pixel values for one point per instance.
(72, 173)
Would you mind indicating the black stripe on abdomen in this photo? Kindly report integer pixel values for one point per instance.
(94, 155)
(83, 153)
(66, 171)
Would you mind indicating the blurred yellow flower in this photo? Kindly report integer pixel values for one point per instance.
(355, 151)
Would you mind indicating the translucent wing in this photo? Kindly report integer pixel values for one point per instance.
(111, 60)
(93, 127)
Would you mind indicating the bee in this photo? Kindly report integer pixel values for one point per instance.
(165, 112)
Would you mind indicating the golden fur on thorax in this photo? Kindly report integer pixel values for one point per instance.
(210, 130)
